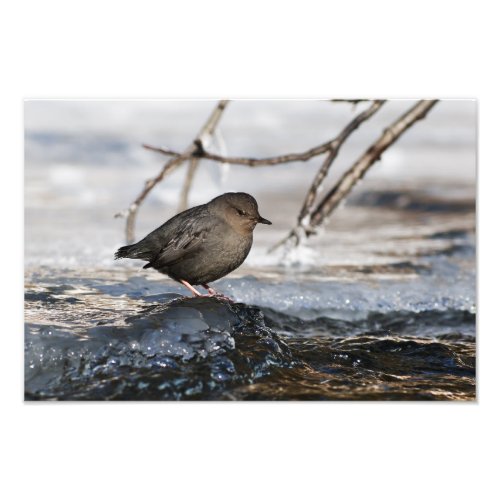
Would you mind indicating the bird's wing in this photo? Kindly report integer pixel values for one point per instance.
(188, 237)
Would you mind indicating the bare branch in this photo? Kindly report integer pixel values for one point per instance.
(332, 199)
(249, 162)
(390, 135)
(332, 154)
(200, 152)
(170, 166)
(299, 231)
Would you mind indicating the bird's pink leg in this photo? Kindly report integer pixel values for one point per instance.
(195, 292)
(211, 291)
(215, 293)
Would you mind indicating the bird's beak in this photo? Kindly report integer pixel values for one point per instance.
(263, 221)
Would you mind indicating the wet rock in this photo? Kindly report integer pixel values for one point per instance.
(214, 343)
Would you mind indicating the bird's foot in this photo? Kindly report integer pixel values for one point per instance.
(214, 293)
(211, 292)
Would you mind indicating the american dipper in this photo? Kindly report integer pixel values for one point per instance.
(201, 244)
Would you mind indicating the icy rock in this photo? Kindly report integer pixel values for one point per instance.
(222, 370)
(217, 341)
(171, 351)
(218, 315)
(48, 358)
(162, 342)
(181, 329)
(184, 331)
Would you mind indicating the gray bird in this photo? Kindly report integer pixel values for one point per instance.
(202, 244)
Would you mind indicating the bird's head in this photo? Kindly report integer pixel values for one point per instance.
(240, 210)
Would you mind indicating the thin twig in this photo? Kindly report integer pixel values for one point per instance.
(170, 166)
(248, 162)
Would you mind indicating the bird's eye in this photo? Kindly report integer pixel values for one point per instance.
(240, 212)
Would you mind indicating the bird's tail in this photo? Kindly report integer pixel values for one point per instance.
(140, 250)
(128, 251)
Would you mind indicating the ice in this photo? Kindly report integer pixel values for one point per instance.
(446, 287)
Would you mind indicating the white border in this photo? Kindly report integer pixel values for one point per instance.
(154, 49)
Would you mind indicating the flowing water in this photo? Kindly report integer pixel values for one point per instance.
(382, 306)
